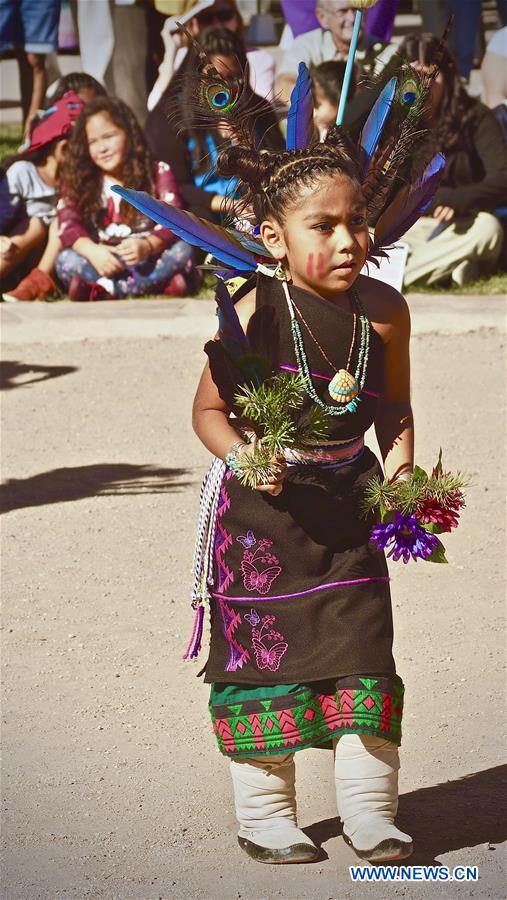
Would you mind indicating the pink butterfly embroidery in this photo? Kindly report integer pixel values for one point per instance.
(253, 617)
(258, 581)
(248, 540)
(268, 658)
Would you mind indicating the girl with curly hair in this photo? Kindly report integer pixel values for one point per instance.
(474, 181)
(109, 250)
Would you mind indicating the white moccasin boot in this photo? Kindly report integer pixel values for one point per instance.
(366, 777)
(265, 801)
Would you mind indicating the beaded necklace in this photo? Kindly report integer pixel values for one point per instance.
(349, 387)
(344, 387)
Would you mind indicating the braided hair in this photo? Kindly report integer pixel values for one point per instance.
(272, 181)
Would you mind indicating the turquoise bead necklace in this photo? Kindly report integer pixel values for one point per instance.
(359, 377)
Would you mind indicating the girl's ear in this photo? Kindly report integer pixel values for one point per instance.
(61, 150)
(273, 239)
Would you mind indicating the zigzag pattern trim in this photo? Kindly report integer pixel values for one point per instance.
(308, 719)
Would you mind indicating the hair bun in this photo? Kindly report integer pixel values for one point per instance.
(249, 165)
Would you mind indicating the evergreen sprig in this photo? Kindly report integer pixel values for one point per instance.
(405, 496)
(274, 410)
(256, 468)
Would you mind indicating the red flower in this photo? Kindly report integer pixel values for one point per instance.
(431, 511)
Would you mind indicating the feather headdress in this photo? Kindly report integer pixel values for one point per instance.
(214, 100)
(389, 135)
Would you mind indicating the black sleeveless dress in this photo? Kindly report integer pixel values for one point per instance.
(301, 619)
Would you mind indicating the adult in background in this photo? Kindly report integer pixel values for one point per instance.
(30, 28)
(494, 77)
(192, 153)
(331, 41)
(474, 181)
(197, 16)
(113, 40)
(378, 21)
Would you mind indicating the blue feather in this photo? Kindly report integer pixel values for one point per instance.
(300, 115)
(230, 330)
(250, 243)
(209, 237)
(372, 128)
(250, 357)
(409, 205)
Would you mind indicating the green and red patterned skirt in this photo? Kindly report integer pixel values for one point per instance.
(251, 720)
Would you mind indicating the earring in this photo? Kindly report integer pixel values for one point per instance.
(281, 273)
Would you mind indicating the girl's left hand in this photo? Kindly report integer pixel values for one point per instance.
(133, 250)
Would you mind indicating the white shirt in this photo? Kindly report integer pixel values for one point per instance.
(318, 46)
(498, 43)
(27, 187)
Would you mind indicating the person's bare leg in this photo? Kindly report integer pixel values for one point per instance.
(37, 63)
(48, 259)
(25, 81)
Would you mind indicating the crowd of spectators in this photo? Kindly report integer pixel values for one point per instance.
(63, 231)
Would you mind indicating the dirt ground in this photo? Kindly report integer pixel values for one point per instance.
(112, 782)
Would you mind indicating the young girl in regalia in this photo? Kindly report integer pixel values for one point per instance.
(300, 609)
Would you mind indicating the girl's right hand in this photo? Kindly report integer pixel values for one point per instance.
(105, 261)
(275, 485)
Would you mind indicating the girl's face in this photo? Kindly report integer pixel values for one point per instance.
(324, 110)
(324, 238)
(107, 143)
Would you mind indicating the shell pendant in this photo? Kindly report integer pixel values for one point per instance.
(343, 387)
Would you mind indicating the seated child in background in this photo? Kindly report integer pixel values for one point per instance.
(29, 194)
(327, 80)
(110, 250)
(37, 285)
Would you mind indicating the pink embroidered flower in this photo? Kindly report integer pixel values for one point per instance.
(259, 569)
(265, 543)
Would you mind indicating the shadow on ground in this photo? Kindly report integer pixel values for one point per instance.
(15, 374)
(466, 812)
(99, 480)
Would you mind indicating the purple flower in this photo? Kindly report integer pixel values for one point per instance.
(405, 537)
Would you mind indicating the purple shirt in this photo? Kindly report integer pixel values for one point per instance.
(300, 16)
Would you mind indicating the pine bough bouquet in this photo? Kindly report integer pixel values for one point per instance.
(273, 411)
(270, 406)
(412, 513)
